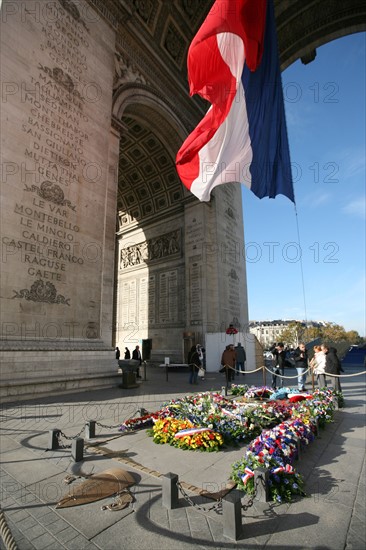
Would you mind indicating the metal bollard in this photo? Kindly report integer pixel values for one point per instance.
(90, 429)
(231, 515)
(53, 439)
(261, 479)
(170, 491)
(77, 449)
(317, 427)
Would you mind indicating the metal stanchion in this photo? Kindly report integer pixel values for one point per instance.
(53, 439)
(90, 429)
(170, 491)
(231, 512)
(77, 449)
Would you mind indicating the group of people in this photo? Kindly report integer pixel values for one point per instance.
(233, 361)
(325, 361)
(136, 355)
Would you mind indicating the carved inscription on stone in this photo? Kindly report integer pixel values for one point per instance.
(168, 299)
(231, 251)
(54, 155)
(151, 300)
(195, 289)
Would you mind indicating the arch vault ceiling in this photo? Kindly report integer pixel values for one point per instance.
(158, 33)
(147, 182)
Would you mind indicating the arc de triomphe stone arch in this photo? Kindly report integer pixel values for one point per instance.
(94, 107)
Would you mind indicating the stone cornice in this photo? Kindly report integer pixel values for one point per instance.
(53, 345)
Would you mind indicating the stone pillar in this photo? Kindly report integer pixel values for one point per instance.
(58, 197)
(150, 298)
(216, 287)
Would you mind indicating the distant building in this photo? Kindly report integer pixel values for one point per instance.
(268, 332)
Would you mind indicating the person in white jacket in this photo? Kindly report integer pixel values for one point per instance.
(318, 364)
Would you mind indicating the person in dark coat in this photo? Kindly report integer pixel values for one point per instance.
(301, 364)
(241, 357)
(136, 354)
(194, 364)
(228, 361)
(127, 353)
(118, 353)
(279, 368)
(333, 365)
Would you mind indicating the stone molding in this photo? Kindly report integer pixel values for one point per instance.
(125, 72)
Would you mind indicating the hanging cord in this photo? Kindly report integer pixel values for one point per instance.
(301, 266)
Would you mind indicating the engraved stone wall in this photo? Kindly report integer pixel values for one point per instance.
(57, 63)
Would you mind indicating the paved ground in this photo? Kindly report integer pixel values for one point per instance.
(332, 517)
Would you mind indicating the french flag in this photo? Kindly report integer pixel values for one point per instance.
(233, 63)
(191, 431)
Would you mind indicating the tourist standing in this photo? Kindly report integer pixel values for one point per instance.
(228, 360)
(333, 365)
(318, 364)
(118, 353)
(279, 367)
(136, 354)
(127, 353)
(194, 364)
(301, 364)
(241, 357)
(202, 357)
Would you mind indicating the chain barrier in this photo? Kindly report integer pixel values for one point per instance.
(240, 371)
(72, 436)
(250, 502)
(309, 369)
(218, 504)
(283, 376)
(186, 497)
(61, 445)
(108, 427)
(61, 435)
(344, 375)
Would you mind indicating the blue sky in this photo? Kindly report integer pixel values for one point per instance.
(325, 112)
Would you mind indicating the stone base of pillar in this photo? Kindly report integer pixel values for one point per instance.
(29, 374)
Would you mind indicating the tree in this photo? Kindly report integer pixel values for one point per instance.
(353, 337)
(293, 334)
(333, 332)
(311, 333)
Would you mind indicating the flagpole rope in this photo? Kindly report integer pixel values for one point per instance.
(301, 266)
